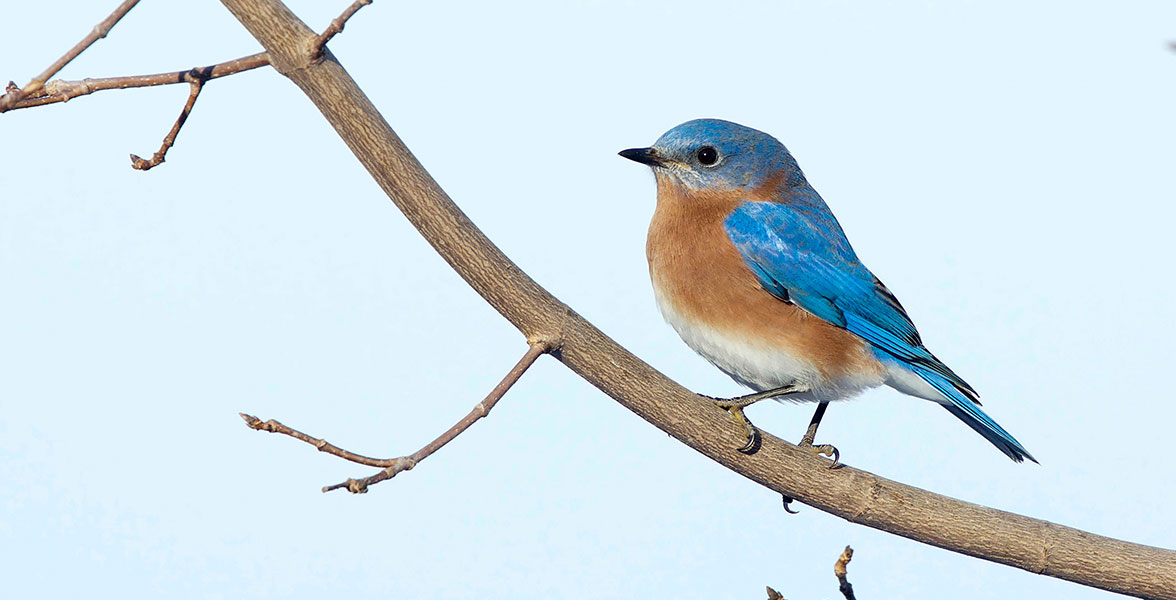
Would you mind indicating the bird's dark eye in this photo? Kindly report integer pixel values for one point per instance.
(707, 155)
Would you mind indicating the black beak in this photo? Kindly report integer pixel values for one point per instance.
(645, 156)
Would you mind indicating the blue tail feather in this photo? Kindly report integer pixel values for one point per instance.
(969, 412)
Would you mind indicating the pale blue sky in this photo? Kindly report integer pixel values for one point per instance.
(1006, 168)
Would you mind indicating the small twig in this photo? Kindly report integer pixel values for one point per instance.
(392, 466)
(839, 571)
(336, 26)
(404, 463)
(98, 32)
(157, 158)
(62, 91)
(273, 426)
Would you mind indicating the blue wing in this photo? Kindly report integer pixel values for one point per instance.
(800, 255)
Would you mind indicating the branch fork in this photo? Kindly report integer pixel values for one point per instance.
(336, 27)
(157, 158)
(40, 90)
(13, 94)
(391, 467)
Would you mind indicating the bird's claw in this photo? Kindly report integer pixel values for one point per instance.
(828, 450)
(753, 435)
(787, 501)
(753, 440)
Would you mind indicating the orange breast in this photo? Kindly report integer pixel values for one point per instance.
(700, 274)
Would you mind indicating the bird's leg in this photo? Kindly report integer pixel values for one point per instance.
(824, 449)
(811, 434)
(736, 405)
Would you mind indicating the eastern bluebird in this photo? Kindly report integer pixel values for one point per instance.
(751, 268)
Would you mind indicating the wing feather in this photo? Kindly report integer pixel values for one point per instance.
(812, 265)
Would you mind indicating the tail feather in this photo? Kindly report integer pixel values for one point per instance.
(969, 412)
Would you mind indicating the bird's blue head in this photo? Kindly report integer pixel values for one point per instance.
(717, 155)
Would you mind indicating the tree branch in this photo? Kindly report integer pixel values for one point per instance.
(63, 91)
(319, 444)
(170, 138)
(857, 496)
(98, 32)
(336, 26)
(393, 466)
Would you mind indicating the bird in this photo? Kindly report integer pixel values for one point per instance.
(755, 273)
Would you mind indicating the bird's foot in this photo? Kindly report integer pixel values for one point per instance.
(828, 450)
(735, 407)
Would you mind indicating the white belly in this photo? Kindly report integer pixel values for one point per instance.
(762, 367)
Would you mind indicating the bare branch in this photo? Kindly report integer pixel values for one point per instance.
(840, 572)
(404, 463)
(393, 466)
(336, 26)
(63, 91)
(321, 445)
(100, 30)
(855, 495)
(170, 138)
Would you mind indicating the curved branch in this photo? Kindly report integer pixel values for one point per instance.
(857, 496)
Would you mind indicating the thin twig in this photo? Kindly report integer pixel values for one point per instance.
(392, 466)
(98, 32)
(404, 463)
(62, 91)
(321, 445)
(157, 158)
(336, 26)
(839, 571)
